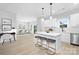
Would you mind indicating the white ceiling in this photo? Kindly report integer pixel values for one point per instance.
(34, 9)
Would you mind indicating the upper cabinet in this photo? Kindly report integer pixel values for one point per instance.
(6, 24)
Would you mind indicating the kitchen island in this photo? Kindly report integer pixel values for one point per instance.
(53, 37)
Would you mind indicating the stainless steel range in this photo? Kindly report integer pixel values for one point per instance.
(74, 38)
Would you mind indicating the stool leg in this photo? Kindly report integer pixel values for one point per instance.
(36, 43)
(52, 48)
(41, 42)
(46, 44)
(10, 40)
(14, 37)
(3, 42)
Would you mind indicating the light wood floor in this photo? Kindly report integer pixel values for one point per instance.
(24, 45)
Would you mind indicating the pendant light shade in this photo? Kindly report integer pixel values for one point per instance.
(50, 10)
(42, 14)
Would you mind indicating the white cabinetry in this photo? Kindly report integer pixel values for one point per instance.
(65, 37)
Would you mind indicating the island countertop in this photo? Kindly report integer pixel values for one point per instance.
(49, 34)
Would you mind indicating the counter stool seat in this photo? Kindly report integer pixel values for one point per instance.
(50, 40)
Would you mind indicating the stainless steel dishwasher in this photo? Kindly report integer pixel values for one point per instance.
(74, 38)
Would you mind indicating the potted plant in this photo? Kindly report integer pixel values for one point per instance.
(62, 26)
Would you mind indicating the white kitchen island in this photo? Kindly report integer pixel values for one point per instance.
(53, 36)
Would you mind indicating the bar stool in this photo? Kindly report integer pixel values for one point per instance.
(37, 43)
(6, 37)
(42, 39)
(49, 47)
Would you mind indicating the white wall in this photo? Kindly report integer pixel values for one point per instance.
(25, 20)
(74, 19)
(48, 23)
(39, 26)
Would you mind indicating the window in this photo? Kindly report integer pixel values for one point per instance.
(64, 20)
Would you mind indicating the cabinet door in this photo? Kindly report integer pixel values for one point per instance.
(65, 37)
(6, 28)
(6, 24)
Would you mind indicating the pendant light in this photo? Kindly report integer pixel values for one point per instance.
(51, 11)
(42, 14)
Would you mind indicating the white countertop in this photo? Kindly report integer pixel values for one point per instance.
(13, 30)
(49, 34)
